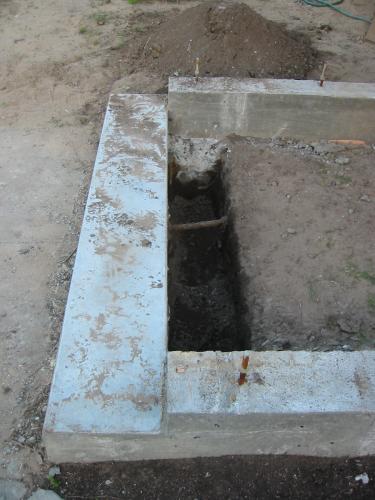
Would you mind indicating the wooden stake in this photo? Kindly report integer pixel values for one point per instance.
(323, 75)
(196, 72)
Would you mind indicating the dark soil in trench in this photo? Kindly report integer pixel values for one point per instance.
(202, 292)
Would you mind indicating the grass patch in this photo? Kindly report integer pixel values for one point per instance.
(312, 291)
(352, 270)
(366, 340)
(82, 30)
(119, 43)
(101, 18)
(54, 483)
(371, 302)
(343, 179)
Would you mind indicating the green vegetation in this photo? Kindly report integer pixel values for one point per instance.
(352, 270)
(371, 302)
(101, 18)
(343, 179)
(312, 291)
(119, 43)
(54, 483)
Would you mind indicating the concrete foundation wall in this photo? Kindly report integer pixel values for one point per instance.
(187, 436)
(300, 109)
(304, 403)
(110, 370)
(283, 382)
(117, 394)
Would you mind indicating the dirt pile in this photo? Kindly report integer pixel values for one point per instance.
(230, 39)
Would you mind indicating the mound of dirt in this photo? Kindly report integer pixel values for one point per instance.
(230, 39)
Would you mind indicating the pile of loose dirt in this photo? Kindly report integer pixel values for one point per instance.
(230, 39)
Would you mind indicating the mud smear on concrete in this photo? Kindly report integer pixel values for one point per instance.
(204, 306)
(230, 39)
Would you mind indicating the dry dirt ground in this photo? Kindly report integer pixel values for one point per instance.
(304, 222)
(58, 61)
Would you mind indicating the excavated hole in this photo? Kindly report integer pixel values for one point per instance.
(204, 296)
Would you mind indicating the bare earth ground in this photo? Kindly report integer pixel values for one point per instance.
(58, 62)
(304, 221)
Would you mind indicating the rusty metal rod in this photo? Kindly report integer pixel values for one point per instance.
(190, 226)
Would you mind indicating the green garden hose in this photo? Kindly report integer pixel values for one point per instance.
(332, 4)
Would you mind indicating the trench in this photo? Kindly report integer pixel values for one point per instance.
(203, 287)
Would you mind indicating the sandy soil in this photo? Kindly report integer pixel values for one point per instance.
(58, 62)
(303, 221)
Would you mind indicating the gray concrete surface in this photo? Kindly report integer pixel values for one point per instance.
(283, 382)
(324, 435)
(44, 495)
(109, 375)
(11, 490)
(299, 109)
(318, 404)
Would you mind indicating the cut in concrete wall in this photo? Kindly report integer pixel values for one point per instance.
(300, 109)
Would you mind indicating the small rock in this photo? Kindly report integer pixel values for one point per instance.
(31, 440)
(291, 230)
(21, 439)
(54, 471)
(349, 325)
(364, 197)
(325, 27)
(11, 490)
(342, 160)
(108, 482)
(363, 477)
(324, 148)
(350, 211)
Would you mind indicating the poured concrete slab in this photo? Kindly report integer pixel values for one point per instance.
(109, 374)
(301, 109)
